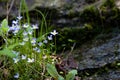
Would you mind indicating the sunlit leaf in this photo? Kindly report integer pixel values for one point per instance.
(71, 75)
(52, 71)
(70, 40)
(60, 78)
(13, 46)
(7, 52)
(4, 26)
(118, 64)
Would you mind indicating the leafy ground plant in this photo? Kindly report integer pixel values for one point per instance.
(23, 55)
(53, 72)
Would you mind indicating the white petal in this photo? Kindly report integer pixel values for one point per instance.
(54, 32)
(23, 57)
(15, 60)
(50, 37)
(30, 60)
(19, 17)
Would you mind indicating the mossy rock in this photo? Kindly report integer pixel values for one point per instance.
(106, 16)
(68, 36)
(90, 14)
(109, 3)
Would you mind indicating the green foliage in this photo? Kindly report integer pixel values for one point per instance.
(88, 26)
(118, 64)
(53, 72)
(71, 75)
(3, 31)
(90, 15)
(24, 8)
(68, 36)
(25, 50)
(102, 18)
(11, 47)
(109, 3)
(3, 0)
(7, 52)
(4, 27)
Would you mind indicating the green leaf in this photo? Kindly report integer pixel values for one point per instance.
(4, 26)
(52, 70)
(118, 64)
(71, 75)
(7, 52)
(73, 72)
(60, 78)
(13, 46)
(70, 40)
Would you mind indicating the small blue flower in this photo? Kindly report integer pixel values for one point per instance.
(40, 43)
(54, 32)
(36, 49)
(15, 22)
(24, 57)
(45, 41)
(35, 26)
(16, 75)
(15, 29)
(50, 37)
(30, 60)
(30, 32)
(19, 17)
(16, 53)
(16, 60)
(11, 28)
(33, 41)
(25, 25)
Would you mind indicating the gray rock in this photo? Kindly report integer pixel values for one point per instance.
(101, 55)
(66, 12)
(32, 4)
(110, 75)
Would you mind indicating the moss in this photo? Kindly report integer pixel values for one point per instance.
(95, 21)
(68, 36)
(109, 13)
(109, 3)
(90, 15)
(3, 0)
(107, 16)
(88, 26)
